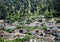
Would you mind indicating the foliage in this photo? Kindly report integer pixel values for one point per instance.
(18, 10)
(26, 38)
(1, 27)
(58, 21)
(9, 41)
(10, 31)
(1, 40)
(19, 27)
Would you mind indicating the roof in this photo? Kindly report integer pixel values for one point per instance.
(1, 21)
(10, 27)
(17, 34)
(41, 16)
(53, 19)
(58, 30)
(34, 23)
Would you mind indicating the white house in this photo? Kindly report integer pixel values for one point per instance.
(1, 21)
(16, 35)
(36, 23)
(10, 27)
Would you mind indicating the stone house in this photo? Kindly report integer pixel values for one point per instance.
(23, 31)
(53, 27)
(13, 36)
(51, 23)
(37, 33)
(15, 23)
(32, 32)
(40, 34)
(1, 21)
(1, 24)
(16, 35)
(8, 27)
(58, 34)
(36, 23)
(1, 32)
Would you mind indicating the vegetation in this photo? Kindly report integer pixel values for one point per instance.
(10, 31)
(19, 27)
(21, 10)
(32, 28)
(26, 38)
(44, 28)
(1, 27)
(1, 40)
(26, 11)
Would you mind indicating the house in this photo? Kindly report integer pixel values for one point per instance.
(16, 35)
(36, 23)
(32, 32)
(54, 27)
(58, 34)
(49, 31)
(15, 23)
(1, 21)
(37, 33)
(1, 32)
(1, 24)
(4, 34)
(12, 36)
(8, 27)
(40, 34)
(21, 31)
(42, 19)
(51, 23)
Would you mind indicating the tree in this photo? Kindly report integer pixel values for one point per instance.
(19, 27)
(1, 40)
(26, 38)
(15, 10)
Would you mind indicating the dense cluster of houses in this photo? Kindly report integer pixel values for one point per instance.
(11, 36)
(53, 29)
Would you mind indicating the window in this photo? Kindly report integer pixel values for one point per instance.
(21, 31)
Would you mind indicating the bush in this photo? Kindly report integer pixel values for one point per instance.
(1, 40)
(26, 38)
(44, 28)
(10, 31)
(19, 27)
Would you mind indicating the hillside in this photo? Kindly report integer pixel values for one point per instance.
(30, 9)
